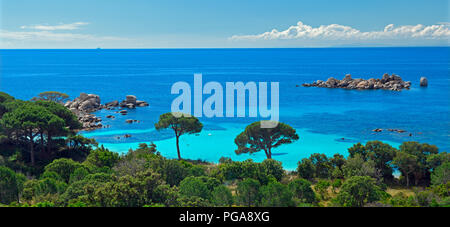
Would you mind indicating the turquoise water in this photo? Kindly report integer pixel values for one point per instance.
(321, 116)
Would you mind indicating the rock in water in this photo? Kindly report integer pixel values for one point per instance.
(387, 82)
(131, 99)
(423, 82)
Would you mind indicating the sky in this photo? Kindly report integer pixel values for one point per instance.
(222, 24)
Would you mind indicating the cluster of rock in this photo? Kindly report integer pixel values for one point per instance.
(130, 102)
(84, 105)
(393, 130)
(387, 82)
(130, 121)
(390, 130)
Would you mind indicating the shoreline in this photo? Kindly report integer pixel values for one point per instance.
(221, 144)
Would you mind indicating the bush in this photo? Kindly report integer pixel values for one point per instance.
(10, 185)
(359, 190)
(306, 169)
(302, 191)
(64, 167)
(247, 192)
(102, 157)
(194, 186)
(221, 196)
(441, 175)
(276, 194)
(272, 167)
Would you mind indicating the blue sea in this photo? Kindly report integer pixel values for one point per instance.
(321, 116)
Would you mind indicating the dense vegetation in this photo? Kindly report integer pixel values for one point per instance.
(44, 163)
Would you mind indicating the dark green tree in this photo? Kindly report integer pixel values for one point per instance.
(276, 194)
(356, 166)
(64, 167)
(4, 100)
(101, 157)
(194, 186)
(441, 175)
(302, 191)
(247, 192)
(322, 165)
(422, 152)
(306, 169)
(270, 167)
(358, 149)
(62, 128)
(54, 96)
(337, 161)
(255, 138)
(406, 163)
(30, 120)
(358, 191)
(221, 196)
(11, 185)
(180, 125)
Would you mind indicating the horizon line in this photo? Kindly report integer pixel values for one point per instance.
(199, 48)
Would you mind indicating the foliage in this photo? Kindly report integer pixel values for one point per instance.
(101, 157)
(302, 191)
(441, 175)
(276, 194)
(247, 192)
(359, 190)
(64, 167)
(255, 138)
(306, 169)
(11, 185)
(221, 196)
(181, 125)
(194, 186)
(356, 166)
(322, 188)
(53, 96)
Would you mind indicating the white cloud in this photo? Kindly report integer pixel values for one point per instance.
(52, 36)
(72, 26)
(336, 32)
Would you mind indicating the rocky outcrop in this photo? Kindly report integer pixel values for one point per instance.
(131, 102)
(83, 106)
(390, 130)
(423, 82)
(85, 103)
(90, 121)
(387, 82)
(112, 104)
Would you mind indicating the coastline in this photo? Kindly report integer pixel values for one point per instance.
(207, 148)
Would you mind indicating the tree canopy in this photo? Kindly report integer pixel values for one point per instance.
(255, 138)
(54, 96)
(181, 125)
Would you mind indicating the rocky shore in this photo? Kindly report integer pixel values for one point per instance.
(86, 104)
(387, 82)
